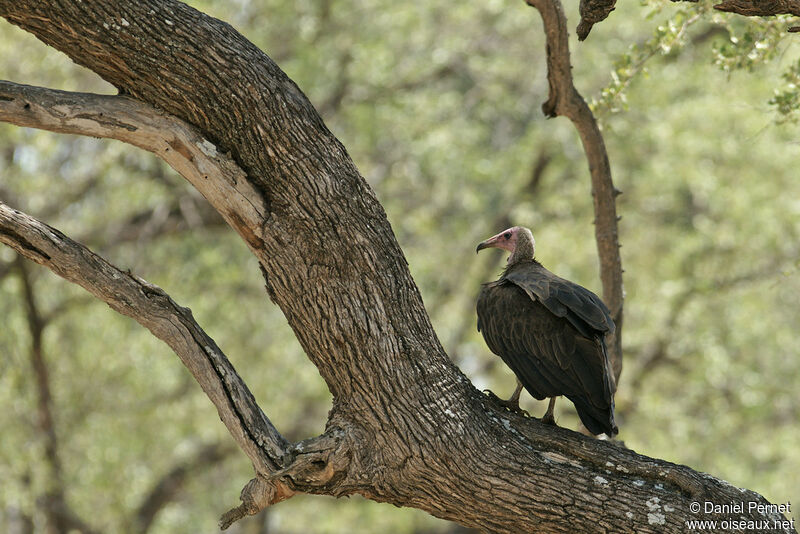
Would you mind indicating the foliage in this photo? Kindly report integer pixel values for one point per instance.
(439, 106)
(787, 101)
(751, 43)
(669, 36)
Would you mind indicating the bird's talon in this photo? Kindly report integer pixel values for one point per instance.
(511, 405)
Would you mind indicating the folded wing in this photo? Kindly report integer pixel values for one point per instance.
(550, 332)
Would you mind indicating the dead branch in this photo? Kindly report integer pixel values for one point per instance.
(213, 173)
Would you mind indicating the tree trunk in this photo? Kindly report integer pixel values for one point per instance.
(406, 427)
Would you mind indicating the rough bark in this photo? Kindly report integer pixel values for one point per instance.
(592, 12)
(760, 8)
(565, 100)
(406, 427)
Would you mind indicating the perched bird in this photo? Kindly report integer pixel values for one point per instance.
(550, 332)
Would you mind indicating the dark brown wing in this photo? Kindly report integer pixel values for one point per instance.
(549, 354)
(582, 308)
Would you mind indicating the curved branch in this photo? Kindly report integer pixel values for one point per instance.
(310, 464)
(221, 181)
(156, 311)
(565, 100)
(214, 174)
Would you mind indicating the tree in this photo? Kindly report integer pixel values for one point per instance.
(406, 426)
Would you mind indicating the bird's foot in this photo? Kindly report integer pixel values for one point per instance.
(512, 404)
(548, 419)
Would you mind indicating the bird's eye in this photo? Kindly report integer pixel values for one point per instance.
(507, 235)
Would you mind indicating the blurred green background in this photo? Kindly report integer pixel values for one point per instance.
(438, 103)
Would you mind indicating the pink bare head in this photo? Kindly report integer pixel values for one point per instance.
(518, 240)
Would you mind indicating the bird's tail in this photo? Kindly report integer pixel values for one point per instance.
(596, 420)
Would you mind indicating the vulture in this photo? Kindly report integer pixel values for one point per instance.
(550, 332)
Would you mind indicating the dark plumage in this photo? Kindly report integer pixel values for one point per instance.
(550, 332)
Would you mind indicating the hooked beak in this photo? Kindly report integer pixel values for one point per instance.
(489, 243)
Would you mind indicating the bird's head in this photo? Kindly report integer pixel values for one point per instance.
(517, 240)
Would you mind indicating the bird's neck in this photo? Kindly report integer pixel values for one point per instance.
(522, 252)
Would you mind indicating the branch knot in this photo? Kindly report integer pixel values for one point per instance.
(256, 495)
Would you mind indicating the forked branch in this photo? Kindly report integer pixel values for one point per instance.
(280, 466)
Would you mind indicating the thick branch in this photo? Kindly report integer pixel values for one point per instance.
(343, 299)
(565, 100)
